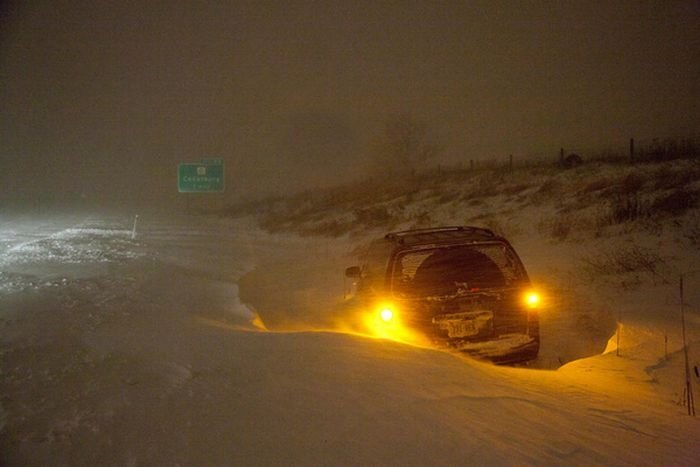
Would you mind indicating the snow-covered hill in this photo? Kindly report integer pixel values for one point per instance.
(606, 243)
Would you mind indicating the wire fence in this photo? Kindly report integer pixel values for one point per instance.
(650, 149)
(630, 151)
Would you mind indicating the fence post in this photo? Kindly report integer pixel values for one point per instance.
(631, 150)
(617, 333)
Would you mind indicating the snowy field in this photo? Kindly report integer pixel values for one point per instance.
(200, 342)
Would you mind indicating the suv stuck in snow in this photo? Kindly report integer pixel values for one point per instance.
(461, 287)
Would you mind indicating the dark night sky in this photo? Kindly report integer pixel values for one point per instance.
(105, 98)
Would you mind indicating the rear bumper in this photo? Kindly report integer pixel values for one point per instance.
(509, 348)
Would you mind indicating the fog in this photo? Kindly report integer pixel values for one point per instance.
(100, 101)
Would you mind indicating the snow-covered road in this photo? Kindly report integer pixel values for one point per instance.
(138, 351)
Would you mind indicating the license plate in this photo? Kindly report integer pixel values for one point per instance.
(465, 324)
(462, 328)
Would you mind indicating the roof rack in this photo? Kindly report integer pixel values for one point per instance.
(399, 236)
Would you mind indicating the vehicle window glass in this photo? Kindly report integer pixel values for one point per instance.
(374, 266)
(453, 270)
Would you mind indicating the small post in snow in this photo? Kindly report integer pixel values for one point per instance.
(689, 399)
(133, 230)
(619, 325)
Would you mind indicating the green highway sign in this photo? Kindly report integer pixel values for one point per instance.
(201, 177)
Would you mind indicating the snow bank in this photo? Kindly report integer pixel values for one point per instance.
(157, 357)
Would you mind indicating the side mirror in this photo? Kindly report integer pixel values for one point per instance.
(353, 272)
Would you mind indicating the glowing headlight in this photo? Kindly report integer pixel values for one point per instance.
(386, 314)
(532, 299)
(385, 320)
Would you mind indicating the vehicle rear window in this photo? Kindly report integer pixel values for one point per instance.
(451, 270)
